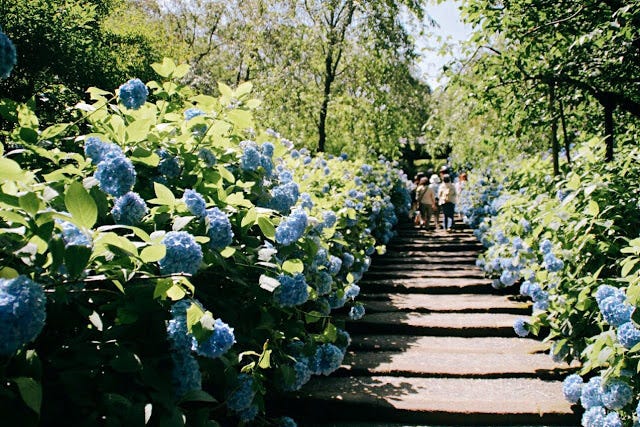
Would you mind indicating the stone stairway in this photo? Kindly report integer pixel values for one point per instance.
(436, 347)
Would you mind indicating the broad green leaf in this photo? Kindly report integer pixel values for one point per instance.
(198, 396)
(249, 219)
(244, 89)
(267, 228)
(226, 174)
(293, 266)
(593, 209)
(54, 130)
(194, 314)
(81, 205)
(11, 170)
(30, 203)
(265, 359)
(225, 90)
(8, 273)
(227, 252)
(180, 71)
(163, 195)
(96, 321)
(153, 253)
(165, 69)
(176, 293)
(241, 119)
(76, 259)
(162, 286)
(30, 391)
(138, 130)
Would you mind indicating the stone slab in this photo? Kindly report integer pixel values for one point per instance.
(443, 303)
(427, 285)
(419, 274)
(497, 345)
(454, 401)
(438, 324)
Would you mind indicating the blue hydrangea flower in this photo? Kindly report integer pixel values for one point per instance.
(284, 196)
(546, 246)
(616, 394)
(133, 94)
(267, 149)
(292, 290)
(186, 371)
(572, 388)
(509, 277)
(347, 260)
(553, 264)
(628, 335)
(195, 203)
(329, 218)
(517, 243)
(287, 422)
(352, 291)
(525, 288)
(526, 225)
(73, 236)
(612, 420)
(291, 228)
(592, 393)
(8, 57)
(250, 160)
(183, 254)
(335, 264)
(115, 175)
(169, 165)
(605, 291)
(305, 201)
(615, 309)
(22, 313)
(248, 414)
(129, 209)
(323, 284)
(594, 417)
(242, 396)
(97, 150)
(326, 360)
(302, 375)
(220, 341)
(336, 301)
(219, 229)
(366, 169)
(192, 112)
(356, 312)
(520, 327)
(208, 157)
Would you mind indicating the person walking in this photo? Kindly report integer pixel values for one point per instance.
(447, 200)
(461, 184)
(434, 185)
(426, 199)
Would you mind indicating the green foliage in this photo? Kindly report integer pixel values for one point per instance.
(105, 354)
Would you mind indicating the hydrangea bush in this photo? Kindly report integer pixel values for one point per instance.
(571, 246)
(179, 262)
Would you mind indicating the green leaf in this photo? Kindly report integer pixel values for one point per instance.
(8, 273)
(194, 314)
(76, 259)
(180, 71)
(198, 396)
(165, 69)
(126, 362)
(330, 333)
(138, 130)
(11, 170)
(30, 391)
(267, 228)
(30, 203)
(164, 196)
(162, 286)
(153, 253)
(250, 218)
(146, 157)
(313, 317)
(176, 293)
(593, 209)
(265, 359)
(54, 130)
(293, 266)
(241, 119)
(227, 252)
(81, 205)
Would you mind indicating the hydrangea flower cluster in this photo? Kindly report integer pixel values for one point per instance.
(129, 209)
(628, 335)
(219, 229)
(284, 196)
(302, 374)
(133, 94)
(195, 203)
(613, 305)
(326, 360)
(97, 150)
(183, 254)
(169, 165)
(186, 371)
(115, 172)
(8, 57)
(520, 328)
(357, 312)
(292, 227)
(208, 157)
(22, 313)
(600, 400)
(218, 343)
(72, 235)
(241, 397)
(292, 291)
(198, 129)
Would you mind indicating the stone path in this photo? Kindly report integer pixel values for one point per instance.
(436, 347)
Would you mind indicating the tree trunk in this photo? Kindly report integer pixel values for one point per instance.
(555, 146)
(608, 130)
(565, 134)
(326, 96)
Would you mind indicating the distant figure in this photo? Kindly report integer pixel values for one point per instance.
(460, 187)
(434, 185)
(447, 201)
(426, 199)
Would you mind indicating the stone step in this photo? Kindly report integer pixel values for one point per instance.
(498, 345)
(419, 274)
(423, 303)
(431, 259)
(437, 252)
(448, 401)
(436, 285)
(436, 324)
(462, 361)
(424, 267)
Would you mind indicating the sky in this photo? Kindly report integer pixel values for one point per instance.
(450, 30)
